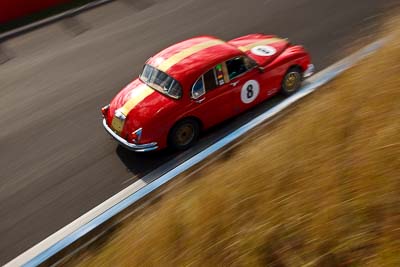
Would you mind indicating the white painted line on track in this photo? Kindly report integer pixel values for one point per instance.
(114, 205)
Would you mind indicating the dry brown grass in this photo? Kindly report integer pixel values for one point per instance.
(320, 187)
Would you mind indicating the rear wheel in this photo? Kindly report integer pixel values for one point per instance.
(291, 81)
(184, 134)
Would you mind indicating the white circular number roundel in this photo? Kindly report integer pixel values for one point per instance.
(249, 91)
(263, 50)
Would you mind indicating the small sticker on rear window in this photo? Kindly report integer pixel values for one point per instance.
(220, 74)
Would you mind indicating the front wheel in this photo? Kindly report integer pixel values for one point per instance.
(291, 81)
(184, 134)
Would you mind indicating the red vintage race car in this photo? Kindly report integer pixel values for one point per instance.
(198, 83)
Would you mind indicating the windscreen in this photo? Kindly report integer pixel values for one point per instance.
(161, 82)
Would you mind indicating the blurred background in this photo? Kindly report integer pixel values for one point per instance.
(334, 199)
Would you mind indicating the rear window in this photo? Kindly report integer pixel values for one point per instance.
(161, 81)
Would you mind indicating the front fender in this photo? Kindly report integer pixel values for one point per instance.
(294, 55)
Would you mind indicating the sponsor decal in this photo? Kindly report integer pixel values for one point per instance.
(263, 50)
(261, 42)
(220, 74)
(250, 91)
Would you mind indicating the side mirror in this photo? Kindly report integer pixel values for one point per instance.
(261, 69)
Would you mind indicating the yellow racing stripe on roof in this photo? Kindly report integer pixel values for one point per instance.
(261, 42)
(168, 63)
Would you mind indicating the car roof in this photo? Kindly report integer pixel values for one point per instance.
(191, 58)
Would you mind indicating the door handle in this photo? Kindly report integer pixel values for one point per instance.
(198, 101)
(234, 83)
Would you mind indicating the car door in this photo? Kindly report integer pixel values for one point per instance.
(249, 84)
(212, 97)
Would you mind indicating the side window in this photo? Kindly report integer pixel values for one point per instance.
(198, 88)
(236, 66)
(249, 63)
(206, 82)
(209, 80)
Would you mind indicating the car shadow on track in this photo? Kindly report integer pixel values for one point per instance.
(159, 162)
(142, 163)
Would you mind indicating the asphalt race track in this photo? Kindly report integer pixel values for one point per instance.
(57, 162)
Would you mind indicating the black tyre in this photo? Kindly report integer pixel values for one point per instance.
(291, 82)
(184, 134)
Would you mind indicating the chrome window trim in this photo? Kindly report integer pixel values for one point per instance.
(204, 89)
(255, 65)
(241, 56)
(202, 75)
(161, 91)
(240, 75)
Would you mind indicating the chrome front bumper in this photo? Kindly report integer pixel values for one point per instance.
(309, 71)
(126, 144)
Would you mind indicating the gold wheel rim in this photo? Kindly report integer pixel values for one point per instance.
(184, 135)
(291, 81)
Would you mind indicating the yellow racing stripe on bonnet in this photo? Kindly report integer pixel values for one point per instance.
(168, 63)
